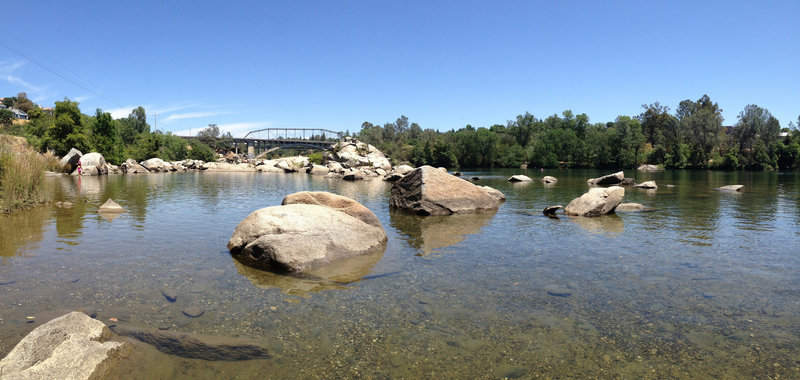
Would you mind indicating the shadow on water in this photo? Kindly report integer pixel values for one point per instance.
(430, 234)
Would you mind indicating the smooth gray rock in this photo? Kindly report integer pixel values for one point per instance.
(610, 179)
(73, 346)
(732, 188)
(130, 166)
(647, 185)
(430, 191)
(648, 168)
(154, 165)
(519, 178)
(494, 193)
(110, 206)
(403, 169)
(93, 164)
(308, 230)
(596, 202)
(549, 179)
(317, 170)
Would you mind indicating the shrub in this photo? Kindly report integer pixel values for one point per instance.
(22, 179)
(316, 158)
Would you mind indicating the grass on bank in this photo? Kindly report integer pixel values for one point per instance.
(22, 176)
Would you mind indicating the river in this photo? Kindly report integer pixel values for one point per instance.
(705, 285)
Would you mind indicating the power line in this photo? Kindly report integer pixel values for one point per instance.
(62, 76)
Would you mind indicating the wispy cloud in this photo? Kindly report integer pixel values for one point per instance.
(7, 73)
(192, 115)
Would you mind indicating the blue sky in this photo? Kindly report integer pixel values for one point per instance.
(444, 64)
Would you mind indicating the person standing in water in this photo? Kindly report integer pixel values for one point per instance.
(80, 169)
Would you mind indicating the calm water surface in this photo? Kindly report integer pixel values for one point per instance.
(705, 286)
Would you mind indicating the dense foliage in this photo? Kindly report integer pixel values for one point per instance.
(693, 137)
(116, 140)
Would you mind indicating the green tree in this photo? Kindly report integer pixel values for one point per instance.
(701, 125)
(658, 126)
(6, 117)
(67, 130)
(105, 137)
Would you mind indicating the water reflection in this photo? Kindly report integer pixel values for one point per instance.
(610, 225)
(334, 275)
(21, 229)
(432, 233)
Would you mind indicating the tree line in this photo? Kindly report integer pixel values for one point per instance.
(116, 139)
(693, 137)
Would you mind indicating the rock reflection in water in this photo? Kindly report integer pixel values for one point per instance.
(607, 224)
(335, 275)
(431, 233)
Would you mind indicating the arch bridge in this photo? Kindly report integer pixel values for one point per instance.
(287, 138)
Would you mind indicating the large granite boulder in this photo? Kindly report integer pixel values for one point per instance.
(73, 346)
(429, 191)
(596, 202)
(70, 161)
(355, 153)
(155, 165)
(610, 179)
(317, 169)
(308, 230)
(93, 164)
(130, 166)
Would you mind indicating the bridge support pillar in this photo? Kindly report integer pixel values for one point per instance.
(251, 150)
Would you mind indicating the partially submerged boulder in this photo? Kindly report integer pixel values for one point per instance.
(610, 179)
(494, 193)
(430, 191)
(110, 206)
(549, 179)
(596, 202)
(732, 188)
(519, 178)
(551, 210)
(647, 185)
(130, 166)
(73, 346)
(309, 229)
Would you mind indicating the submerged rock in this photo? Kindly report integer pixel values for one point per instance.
(309, 229)
(549, 179)
(73, 346)
(630, 207)
(596, 202)
(430, 191)
(648, 168)
(610, 179)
